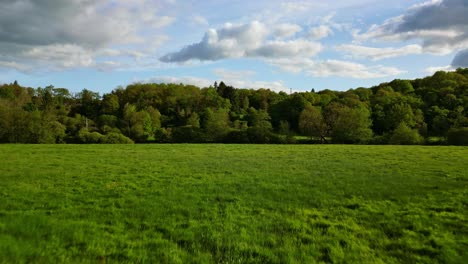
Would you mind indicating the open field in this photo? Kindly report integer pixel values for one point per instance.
(233, 204)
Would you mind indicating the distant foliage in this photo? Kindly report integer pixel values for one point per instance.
(115, 138)
(458, 136)
(397, 112)
(404, 135)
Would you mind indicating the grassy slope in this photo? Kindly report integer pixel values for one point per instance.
(233, 203)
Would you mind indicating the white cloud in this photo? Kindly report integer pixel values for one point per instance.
(231, 41)
(337, 68)
(58, 57)
(286, 30)
(320, 32)
(109, 65)
(374, 54)
(246, 40)
(434, 69)
(350, 69)
(292, 48)
(66, 56)
(292, 7)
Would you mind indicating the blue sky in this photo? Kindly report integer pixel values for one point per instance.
(281, 45)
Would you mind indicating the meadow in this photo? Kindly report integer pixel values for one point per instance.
(233, 204)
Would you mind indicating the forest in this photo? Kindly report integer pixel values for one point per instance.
(430, 110)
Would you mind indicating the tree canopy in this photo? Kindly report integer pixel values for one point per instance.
(397, 112)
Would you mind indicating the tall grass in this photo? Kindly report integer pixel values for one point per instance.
(233, 204)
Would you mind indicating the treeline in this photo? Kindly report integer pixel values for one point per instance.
(432, 110)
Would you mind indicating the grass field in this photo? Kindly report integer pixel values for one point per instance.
(233, 204)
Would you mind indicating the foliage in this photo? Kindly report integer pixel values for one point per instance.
(115, 138)
(404, 135)
(348, 125)
(164, 112)
(312, 123)
(216, 124)
(458, 136)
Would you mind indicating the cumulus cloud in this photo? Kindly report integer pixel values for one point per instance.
(286, 30)
(246, 40)
(441, 25)
(335, 68)
(350, 69)
(357, 51)
(65, 55)
(320, 32)
(228, 42)
(62, 34)
(293, 48)
(84, 22)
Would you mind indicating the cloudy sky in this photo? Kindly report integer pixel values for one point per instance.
(281, 45)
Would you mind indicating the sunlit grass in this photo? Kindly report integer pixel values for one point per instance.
(233, 204)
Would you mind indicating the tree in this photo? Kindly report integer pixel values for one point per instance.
(402, 86)
(348, 125)
(260, 129)
(110, 104)
(216, 124)
(141, 125)
(312, 124)
(288, 109)
(193, 120)
(89, 103)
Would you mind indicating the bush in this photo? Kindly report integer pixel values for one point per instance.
(116, 138)
(187, 134)
(404, 135)
(380, 139)
(163, 135)
(458, 136)
(258, 136)
(89, 137)
(237, 136)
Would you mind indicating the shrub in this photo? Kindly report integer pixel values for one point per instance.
(116, 138)
(380, 139)
(237, 136)
(89, 137)
(187, 134)
(163, 135)
(458, 136)
(404, 135)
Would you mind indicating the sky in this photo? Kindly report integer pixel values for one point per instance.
(281, 45)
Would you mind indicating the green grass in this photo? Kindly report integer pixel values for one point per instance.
(233, 204)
